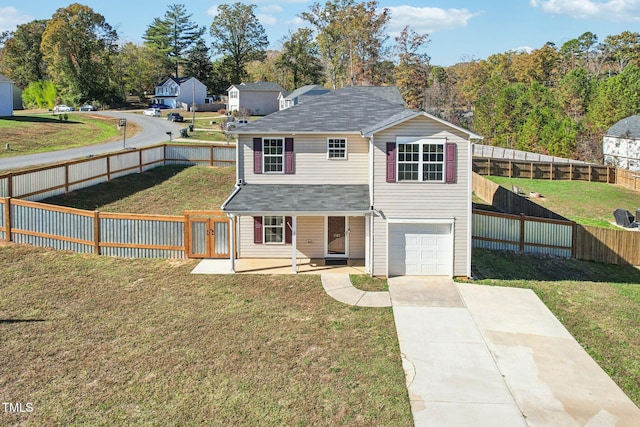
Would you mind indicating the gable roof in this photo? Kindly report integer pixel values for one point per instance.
(628, 127)
(349, 110)
(178, 80)
(258, 87)
(408, 115)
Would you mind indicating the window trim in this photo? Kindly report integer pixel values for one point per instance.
(329, 149)
(282, 226)
(421, 142)
(265, 155)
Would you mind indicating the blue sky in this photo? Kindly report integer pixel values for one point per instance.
(458, 29)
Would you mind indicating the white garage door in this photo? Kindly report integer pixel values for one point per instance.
(420, 249)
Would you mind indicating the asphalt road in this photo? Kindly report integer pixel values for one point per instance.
(154, 131)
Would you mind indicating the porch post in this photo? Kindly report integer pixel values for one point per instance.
(367, 243)
(232, 241)
(294, 238)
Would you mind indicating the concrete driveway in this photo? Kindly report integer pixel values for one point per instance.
(488, 356)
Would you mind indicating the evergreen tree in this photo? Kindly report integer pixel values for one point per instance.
(174, 35)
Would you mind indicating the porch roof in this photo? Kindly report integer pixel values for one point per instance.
(303, 199)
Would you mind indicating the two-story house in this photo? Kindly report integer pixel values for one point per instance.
(180, 92)
(259, 99)
(354, 175)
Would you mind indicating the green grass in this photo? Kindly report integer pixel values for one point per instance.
(37, 133)
(210, 135)
(165, 190)
(364, 282)
(95, 340)
(587, 203)
(598, 303)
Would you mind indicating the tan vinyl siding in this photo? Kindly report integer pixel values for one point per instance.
(310, 241)
(311, 163)
(309, 244)
(424, 200)
(356, 237)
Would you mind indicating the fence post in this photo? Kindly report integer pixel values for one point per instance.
(510, 169)
(10, 184)
(531, 169)
(7, 220)
(574, 240)
(570, 171)
(488, 166)
(590, 173)
(96, 232)
(551, 171)
(211, 155)
(108, 168)
(140, 159)
(66, 177)
(522, 228)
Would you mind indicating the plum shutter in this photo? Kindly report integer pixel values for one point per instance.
(257, 155)
(391, 162)
(257, 229)
(289, 166)
(450, 163)
(287, 229)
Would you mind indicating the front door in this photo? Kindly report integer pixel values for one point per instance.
(206, 236)
(337, 244)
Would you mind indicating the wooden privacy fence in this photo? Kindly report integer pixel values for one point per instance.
(123, 235)
(608, 245)
(48, 181)
(541, 170)
(523, 233)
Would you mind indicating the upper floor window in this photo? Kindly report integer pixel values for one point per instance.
(421, 162)
(233, 94)
(336, 148)
(273, 153)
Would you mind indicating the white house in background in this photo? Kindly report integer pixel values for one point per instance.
(621, 144)
(260, 98)
(180, 92)
(300, 95)
(6, 96)
(354, 176)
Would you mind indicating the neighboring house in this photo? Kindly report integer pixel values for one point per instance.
(180, 93)
(621, 144)
(6, 97)
(260, 98)
(354, 175)
(299, 95)
(17, 98)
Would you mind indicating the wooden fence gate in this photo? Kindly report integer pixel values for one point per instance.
(206, 235)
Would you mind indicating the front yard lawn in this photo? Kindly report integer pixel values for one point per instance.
(598, 303)
(587, 203)
(92, 340)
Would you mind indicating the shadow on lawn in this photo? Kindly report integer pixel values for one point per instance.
(10, 321)
(91, 198)
(41, 119)
(504, 265)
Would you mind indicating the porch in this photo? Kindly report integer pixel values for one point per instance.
(277, 266)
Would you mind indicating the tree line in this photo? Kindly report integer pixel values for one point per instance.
(555, 99)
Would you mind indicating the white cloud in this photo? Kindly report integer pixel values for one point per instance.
(271, 8)
(612, 10)
(427, 19)
(10, 18)
(266, 19)
(522, 49)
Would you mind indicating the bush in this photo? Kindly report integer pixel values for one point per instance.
(222, 111)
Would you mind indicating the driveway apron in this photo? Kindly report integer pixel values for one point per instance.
(487, 356)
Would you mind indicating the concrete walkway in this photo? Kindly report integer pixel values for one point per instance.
(340, 288)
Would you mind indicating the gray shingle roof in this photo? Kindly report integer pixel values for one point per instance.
(626, 128)
(260, 86)
(349, 109)
(255, 198)
(308, 89)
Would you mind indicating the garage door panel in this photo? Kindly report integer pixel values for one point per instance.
(420, 249)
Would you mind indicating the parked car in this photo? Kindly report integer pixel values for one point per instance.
(161, 106)
(242, 122)
(175, 117)
(154, 112)
(88, 107)
(62, 108)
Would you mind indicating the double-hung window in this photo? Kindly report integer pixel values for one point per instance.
(336, 148)
(273, 228)
(273, 152)
(421, 161)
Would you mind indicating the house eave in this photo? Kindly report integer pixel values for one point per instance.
(471, 135)
(299, 213)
